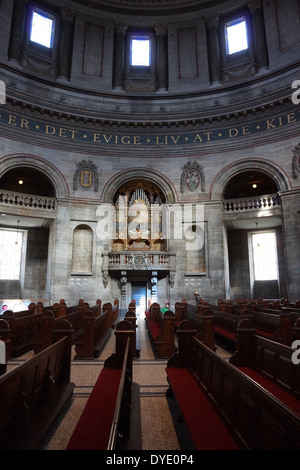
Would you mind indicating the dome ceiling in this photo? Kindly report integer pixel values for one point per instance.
(150, 7)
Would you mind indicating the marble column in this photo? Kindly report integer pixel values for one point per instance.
(66, 45)
(17, 32)
(259, 35)
(161, 32)
(119, 56)
(212, 24)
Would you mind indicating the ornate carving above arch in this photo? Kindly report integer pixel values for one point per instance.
(144, 174)
(273, 171)
(11, 162)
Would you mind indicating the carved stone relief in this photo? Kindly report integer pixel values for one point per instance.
(192, 177)
(86, 176)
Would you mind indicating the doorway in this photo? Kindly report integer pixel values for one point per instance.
(139, 294)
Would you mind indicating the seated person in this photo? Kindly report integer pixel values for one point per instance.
(166, 307)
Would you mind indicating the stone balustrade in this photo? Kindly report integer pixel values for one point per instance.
(126, 260)
(268, 201)
(31, 201)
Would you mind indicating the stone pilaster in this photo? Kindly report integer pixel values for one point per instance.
(161, 33)
(212, 23)
(259, 35)
(66, 45)
(119, 56)
(17, 32)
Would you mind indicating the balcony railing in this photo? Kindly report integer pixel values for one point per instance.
(269, 201)
(127, 260)
(30, 201)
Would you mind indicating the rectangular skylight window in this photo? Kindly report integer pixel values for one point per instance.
(140, 52)
(41, 29)
(236, 36)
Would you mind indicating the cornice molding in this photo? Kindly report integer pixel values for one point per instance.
(216, 120)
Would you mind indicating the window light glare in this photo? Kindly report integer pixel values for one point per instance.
(140, 52)
(236, 37)
(41, 29)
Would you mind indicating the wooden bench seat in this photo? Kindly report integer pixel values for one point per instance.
(269, 363)
(132, 319)
(254, 418)
(203, 321)
(91, 433)
(225, 325)
(161, 328)
(96, 330)
(22, 332)
(105, 421)
(288, 399)
(206, 428)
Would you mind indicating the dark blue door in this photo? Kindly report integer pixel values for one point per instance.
(139, 294)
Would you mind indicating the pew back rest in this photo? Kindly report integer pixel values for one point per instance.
(229, 321)
(254, 417)
(267, 321)
(274, 361)
(26, 389)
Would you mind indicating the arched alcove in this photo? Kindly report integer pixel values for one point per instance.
(27, 180)
(39, 172)
(82, 253)
(268, 175)
(147, 177)
(249, 184)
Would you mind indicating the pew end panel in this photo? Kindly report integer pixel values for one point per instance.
(33, 395)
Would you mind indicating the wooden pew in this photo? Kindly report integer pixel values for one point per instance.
(50, 328)
(269, 363)
(180, 312)
(32, 395)
(203, 322)
(161, 329)
(222, 407)
(22, 332)
(96, 329)
(276, 326)
(4, 337)
(271, 319)
(105, 421)
(132, 319)
(225, 325)
(114, 311)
